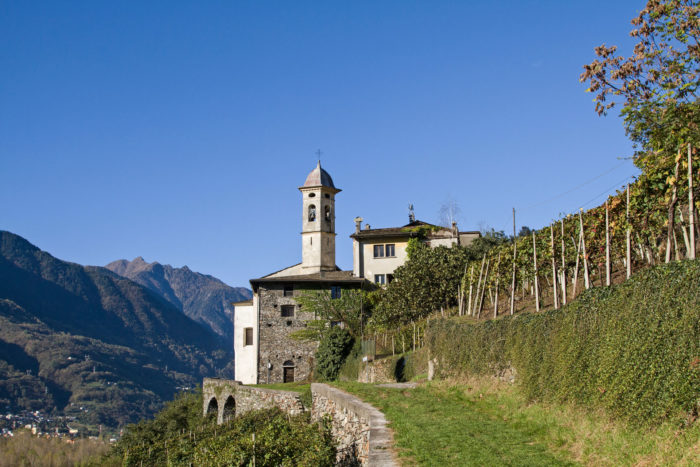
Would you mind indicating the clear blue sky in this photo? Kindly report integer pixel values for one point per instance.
(180, 131)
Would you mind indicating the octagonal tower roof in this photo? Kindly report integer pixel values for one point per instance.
(319, 177)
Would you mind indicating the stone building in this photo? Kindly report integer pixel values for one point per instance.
(378, 252)
(263, 349)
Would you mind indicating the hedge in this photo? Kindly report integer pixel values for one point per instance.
(632, 349)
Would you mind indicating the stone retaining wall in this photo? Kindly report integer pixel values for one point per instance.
(359, 428)
(230, 398)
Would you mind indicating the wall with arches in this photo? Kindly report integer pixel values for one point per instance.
(225, 399)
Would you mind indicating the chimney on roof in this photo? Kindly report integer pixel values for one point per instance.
(358, 224)
(455, 232)
(411, 214)
(366, 226)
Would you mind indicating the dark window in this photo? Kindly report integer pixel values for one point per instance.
(335, 291)
(327, 195)
(389, 278)
(248, 336)
(327, 213)
(287, 311)
(379, 279)
(378, 251)
(312, 195)
(312, 213)
(390, 250)
(288, 290)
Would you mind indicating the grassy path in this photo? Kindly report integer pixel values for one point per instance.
(443, 425)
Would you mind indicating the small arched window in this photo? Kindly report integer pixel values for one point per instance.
(327, 213)
(312, 213)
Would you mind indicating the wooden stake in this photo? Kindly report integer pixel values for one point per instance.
(483, 288)
(629, 236)
(534, 262)
(586, 277)
(515, 250)
(563, 265)
(554, 269)
(471, 286)
(691, 203)
(607, 244)
(478, 286)
(672, 208)
(498, 277)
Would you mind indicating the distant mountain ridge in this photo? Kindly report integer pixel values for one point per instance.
(85, 341)
(201, 297)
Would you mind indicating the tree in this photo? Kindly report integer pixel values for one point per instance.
(348, 308)
(658, 84)
(333, 349)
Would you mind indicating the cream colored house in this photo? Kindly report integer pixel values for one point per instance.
(378, 252)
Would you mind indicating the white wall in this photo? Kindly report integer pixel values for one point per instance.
(246, 367)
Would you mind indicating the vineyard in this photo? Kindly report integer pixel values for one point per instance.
(647, 222)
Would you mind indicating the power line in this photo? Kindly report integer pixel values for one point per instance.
(617, 184)
(574, 188)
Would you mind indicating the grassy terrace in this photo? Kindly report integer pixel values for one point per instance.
(488, 423)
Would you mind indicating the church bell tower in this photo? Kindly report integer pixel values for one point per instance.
(318, 222)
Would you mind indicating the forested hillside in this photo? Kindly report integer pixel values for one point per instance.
(203, 298)
(84, 341)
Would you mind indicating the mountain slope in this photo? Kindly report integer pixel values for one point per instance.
(203, 298)
(86, 339)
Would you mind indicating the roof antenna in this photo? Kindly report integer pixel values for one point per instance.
(411, 214)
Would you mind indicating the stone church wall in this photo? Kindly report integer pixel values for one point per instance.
(276, 346)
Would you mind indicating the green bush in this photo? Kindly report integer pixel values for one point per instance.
(633, 349)
(333, 349)
(179, 435)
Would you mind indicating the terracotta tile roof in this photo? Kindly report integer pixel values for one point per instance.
(323, 277)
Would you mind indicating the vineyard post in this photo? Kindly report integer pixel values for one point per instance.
(563, 265)
(471, 286)
(586, 277)
(691, 203)
(672, 208)
(483, 288)
(578, 260)
(534, 262)
(554, 269)
(512, 286)
(478, 286)
(607, 244)
(498, 276)
(629, 233)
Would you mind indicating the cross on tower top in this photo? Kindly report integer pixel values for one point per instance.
(318, 153)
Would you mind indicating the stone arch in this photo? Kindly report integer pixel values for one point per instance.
(213, 407)
(229, 409)
(312, 213)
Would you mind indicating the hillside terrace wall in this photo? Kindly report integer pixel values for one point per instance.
(216, 393)
(359, 429)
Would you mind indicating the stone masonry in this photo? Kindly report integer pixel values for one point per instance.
(229, 398)
(276, 347)
(359, 428)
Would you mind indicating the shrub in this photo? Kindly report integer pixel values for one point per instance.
(334, 347)
(179, 435)
(633, 349)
